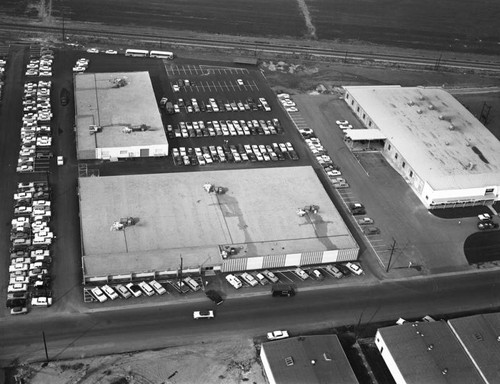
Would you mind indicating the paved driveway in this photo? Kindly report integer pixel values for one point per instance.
(422, 241)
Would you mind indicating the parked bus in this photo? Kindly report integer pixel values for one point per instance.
(161, 54)
(137, 52)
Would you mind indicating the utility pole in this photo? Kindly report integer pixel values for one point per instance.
(345, 57)
(438, 62)
(393, 248)
(63, 31)
(180, 270)
(45, 346)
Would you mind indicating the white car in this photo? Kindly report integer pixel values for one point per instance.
(249, 279)
(317, 274)
(301, 273)
(92, 50)
(342, 122)
(203, 315)
(234, 281)
(344, 127)
(123, 291)
(277, 335)
(291, 109)
(365, 221)
(271, 276)
(99, 294)
(111, 52)
(146, 288)
(157, 287)
(60, 160)
(17, 288)
(110, 292)
(240, 82)
(354, 268)
(176, 88)
(41, 301)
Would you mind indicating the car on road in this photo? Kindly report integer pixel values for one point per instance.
(334, 271)
(159, 289)
(277, 335)
(214, 296)
(134, 289)
(234, 281)
(99, 294)
(92, 50)
(344, 127)
(291, 109)
(484, 217)
(354, 268)
(271, 276)
(371, 230)
(365, 221)
(301, 273)
(342, 122)
(111, 52)
(123, 291)
(209, 314)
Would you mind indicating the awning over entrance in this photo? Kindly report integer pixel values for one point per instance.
(364, 134)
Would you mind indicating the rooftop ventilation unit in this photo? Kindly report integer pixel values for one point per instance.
(411, 103)
(328, 357)
(289, 361)
(470, 167)
(421, 97)
(451, 127)
(430, 347)
(419, 111)
(431, 107)
(313, 362)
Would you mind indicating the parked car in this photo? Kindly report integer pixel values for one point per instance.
(41, 301)
(159, 289)
(277, 335)
(203, 314)
(371, 230)
(99, 294)
(317, 274)
(271, 276)
(110, 292)
(146, 288)
(234, 281)
(301, 273)
(134, 289)
(357, 208)
(365, 221)
(334, 271)
(123, 291)
(486, 224)
(261, 278)
(18, 311)
(249, 279)
(354, 268)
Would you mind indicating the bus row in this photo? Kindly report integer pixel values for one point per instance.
(146, 53)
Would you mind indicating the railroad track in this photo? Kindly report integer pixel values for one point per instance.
(436, 61)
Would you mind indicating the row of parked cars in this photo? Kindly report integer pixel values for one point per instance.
(267, 277)
(358, 209)
(233, 153)
(41, 66)
(287, 102)
(81, 65)
(137, 289)
(30, 255)
(225, 128)
(3, 64)
(36, 137)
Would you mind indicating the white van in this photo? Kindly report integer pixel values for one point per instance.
(193, 284)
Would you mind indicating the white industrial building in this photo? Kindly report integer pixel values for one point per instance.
(447, 156)
(117, 117)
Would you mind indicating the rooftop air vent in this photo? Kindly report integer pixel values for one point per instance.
(470, 167)
(430, 347)
(328, 357)
(419, 111)
(451, 127)
(440, 117)
(313, 362)
(444, 371)
(289, 361)
(446, 143)
(421, 97)
(431, 106)
(411, 103)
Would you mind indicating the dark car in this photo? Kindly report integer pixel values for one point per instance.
(371, 230)
(345, 271)
(284, 290)
(214, 296)
(357, 209)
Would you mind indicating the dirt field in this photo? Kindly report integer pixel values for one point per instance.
(224, 363)
(446, 25)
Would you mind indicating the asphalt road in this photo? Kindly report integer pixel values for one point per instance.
(76, 335)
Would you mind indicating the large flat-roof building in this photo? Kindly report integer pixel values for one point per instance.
(447, 156)
(255, 222)
(422, 352)
(122, 110)
(306, 359)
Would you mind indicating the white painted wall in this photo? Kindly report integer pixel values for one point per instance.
(388, 358)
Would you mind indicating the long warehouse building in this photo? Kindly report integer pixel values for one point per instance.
(444, 153)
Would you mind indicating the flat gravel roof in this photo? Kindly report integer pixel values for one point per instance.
(99, 103)
(176, 216)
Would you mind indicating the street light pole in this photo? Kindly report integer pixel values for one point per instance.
(45, 346)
